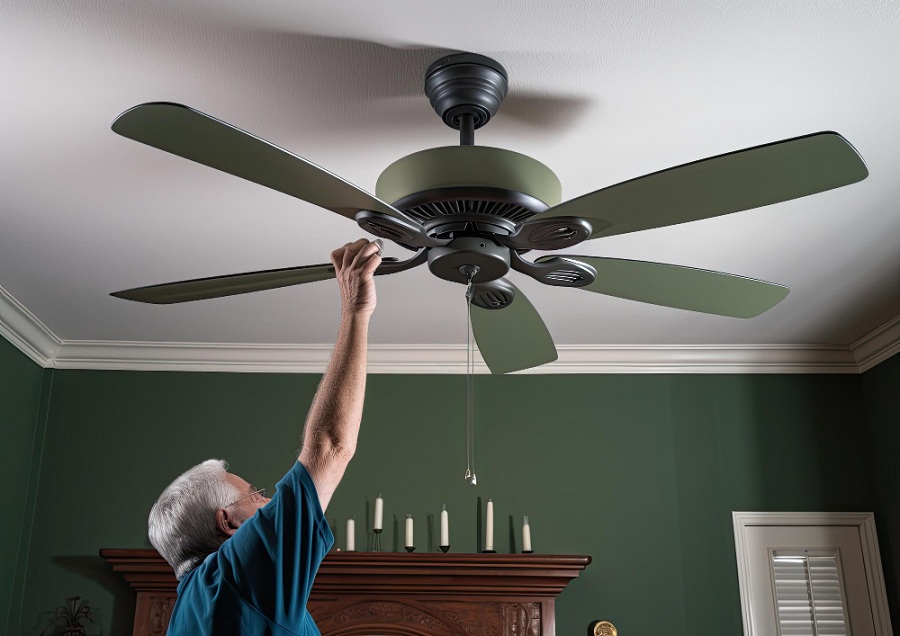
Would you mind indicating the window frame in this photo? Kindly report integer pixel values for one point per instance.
(865, 522)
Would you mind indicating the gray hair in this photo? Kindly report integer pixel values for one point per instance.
(182, 523)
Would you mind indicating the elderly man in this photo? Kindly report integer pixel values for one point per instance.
(246, 563)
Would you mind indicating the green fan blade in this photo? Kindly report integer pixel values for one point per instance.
(681, 287)
(728, 183)
(512, 338)
(229, 285)
(196, 136)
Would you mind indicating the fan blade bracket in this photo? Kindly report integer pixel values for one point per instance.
(555, 270)
(391, 265)
(396, 229)
(495, 294)
(553, 233)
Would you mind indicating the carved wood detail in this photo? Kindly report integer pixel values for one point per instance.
(361, 593)
(160, 613)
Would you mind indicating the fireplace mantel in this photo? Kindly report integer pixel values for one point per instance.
(429, 594)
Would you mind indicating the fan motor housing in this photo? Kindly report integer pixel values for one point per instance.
(451, 188)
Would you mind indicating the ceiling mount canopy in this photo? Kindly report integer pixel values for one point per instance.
(466, 90)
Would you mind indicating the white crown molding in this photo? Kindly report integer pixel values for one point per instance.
(25, 331)
(451, 359)
(878, 345)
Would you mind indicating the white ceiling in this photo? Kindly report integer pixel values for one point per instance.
(627, 87)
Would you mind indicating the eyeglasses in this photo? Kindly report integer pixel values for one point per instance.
(256, 496)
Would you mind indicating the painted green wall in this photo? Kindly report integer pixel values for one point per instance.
(639, 471)
(20, 392)
(881, 387)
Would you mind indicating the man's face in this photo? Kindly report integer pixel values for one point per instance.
(248, 502)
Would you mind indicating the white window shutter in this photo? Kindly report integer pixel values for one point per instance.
(809, 595)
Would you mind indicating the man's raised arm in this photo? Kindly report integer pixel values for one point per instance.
(332, 426)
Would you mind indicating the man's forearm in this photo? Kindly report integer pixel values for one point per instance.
(336, 411)
(332, 426)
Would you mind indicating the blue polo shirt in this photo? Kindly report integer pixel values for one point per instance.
(259, 580)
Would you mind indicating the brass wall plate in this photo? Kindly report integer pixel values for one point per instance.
(604, 628)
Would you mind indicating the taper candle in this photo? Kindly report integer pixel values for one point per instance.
(526, 536)
(351, 535)
(445, 526)
(409, 532)
(379, 513)
(489, 529)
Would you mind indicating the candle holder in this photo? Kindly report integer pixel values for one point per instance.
(444, 548)
(376, 542)
(410, 548)
(489, 552)
(527, 551)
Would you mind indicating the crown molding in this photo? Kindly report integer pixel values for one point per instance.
(451, 359)
(878, 345)
(26, 332)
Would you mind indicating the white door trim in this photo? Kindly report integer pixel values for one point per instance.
(865, 521)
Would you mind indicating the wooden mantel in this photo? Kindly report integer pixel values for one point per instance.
(429, 594)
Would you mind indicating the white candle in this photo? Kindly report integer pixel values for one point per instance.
(526, 536)
(445, 526)
(351, 535)
(379, 512)
(409, 531)
(489, 530)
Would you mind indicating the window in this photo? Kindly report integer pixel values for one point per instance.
(809, 593)
(810, 573)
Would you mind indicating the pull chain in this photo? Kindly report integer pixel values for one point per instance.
(470, 380)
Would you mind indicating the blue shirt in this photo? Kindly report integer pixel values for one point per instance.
(259, 580)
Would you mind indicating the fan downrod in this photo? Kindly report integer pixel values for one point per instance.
(465, 90)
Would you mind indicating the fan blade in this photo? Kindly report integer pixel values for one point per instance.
(233, 284)
(681, 287)
(736, 181)
(514, 337)
(228, 285)
(193, 135)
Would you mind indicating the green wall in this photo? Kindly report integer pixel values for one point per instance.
(881, 387)
(639, 471)
(21, 434)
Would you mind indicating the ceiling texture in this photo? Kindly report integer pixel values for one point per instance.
(599, 92)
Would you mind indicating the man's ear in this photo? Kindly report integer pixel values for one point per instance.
(225, 522)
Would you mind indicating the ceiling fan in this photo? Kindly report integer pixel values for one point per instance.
(472, 212)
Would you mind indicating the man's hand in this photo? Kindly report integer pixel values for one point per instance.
(354, 266)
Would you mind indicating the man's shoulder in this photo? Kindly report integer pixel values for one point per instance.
(298, 473)
(206, 570)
